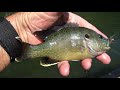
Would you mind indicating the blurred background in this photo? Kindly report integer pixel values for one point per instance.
(107, 22)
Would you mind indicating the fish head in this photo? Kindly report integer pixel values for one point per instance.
(96, 43)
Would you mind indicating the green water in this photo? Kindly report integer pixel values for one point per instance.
(107, 22)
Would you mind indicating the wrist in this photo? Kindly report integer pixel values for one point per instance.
(23, 24)
(17, 21)
(8, 43)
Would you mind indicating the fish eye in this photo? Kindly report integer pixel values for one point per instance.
(87, 36)
(100, 36)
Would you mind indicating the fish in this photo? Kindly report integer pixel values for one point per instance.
(69, 43)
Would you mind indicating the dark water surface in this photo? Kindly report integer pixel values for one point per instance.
(107, 22)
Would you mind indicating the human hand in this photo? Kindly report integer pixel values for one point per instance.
(26, 23)
(86, 63)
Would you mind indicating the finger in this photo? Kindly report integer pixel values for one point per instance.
(44, 20)
(104, 58)
(64, 68)
(86, 64)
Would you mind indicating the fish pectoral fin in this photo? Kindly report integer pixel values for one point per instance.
(46, 62)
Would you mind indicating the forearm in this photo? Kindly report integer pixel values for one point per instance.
(4, 58)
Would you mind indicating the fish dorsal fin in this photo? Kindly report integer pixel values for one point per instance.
(44, 33)
(71, 24)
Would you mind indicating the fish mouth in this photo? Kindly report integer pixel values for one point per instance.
(107, 48)
(95, 52)
(92, 51)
